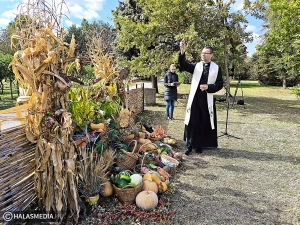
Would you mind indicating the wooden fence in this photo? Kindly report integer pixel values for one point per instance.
(135, 98)
(17, 170)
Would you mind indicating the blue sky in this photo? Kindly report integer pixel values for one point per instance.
(94, 10)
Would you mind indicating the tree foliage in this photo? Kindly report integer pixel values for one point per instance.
(96, 28)
(280, 49)
(5, 70)
(150, 38)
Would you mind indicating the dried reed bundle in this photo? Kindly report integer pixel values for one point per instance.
(92, 168)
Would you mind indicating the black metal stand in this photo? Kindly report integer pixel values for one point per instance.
(226, 125)
(240, 102)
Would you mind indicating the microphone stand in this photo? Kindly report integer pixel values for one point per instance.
(228, 103)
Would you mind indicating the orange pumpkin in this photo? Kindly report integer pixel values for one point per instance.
(150, 186)
(107, 189)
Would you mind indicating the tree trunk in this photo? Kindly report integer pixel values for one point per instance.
(11, 88)
(284, 82)
(154, 82)
(226, 70)
(2, 87)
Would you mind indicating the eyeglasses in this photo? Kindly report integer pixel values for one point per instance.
(206, 53)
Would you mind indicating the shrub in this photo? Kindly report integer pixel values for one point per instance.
(184, 77)
(296, 91)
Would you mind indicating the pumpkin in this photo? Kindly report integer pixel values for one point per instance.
(156, 178)
(107, 189)
(150, 186)
(146, 200)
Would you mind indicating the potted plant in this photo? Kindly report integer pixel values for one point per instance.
(92, 168)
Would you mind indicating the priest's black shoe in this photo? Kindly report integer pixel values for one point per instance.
(199, 150)
(188, 151)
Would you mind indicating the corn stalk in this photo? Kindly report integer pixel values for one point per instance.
(39, 65)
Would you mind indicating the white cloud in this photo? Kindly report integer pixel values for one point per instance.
(11, 14)
(255, 36)
(95, 4)
(238, 5)
(76, 11)
(83, 9)
(4, 22)
(69, 22)
(250, 28)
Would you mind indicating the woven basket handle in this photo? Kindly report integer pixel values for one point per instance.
(135, 146)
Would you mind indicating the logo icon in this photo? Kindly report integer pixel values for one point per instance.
(7, 216)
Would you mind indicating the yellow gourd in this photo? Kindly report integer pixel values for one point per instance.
(98, 126)
(147, 176)
(151, 176)
(129, 137)
(162, 187)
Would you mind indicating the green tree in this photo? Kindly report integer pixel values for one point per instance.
(5, 34)
(6, 71)
(280, 50)
(149, 37)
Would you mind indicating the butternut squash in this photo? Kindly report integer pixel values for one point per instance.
(98, 126)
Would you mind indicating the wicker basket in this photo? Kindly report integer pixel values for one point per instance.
(153, 148)
(154, 151)
(128, 160)
(127, 194)
(143, 160)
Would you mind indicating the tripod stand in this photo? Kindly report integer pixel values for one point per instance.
(228, 103)
(239, 102)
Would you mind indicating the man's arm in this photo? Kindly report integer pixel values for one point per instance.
(218, 85)
(184, 65)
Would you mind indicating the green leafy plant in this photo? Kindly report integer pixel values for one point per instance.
(110, 108)
(296, 91)
(100, 146)
(81, 107)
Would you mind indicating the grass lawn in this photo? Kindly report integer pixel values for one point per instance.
(6, 101)
(250, 179)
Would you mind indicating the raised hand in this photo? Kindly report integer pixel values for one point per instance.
(182, 47)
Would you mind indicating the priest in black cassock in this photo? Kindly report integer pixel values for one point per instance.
(200, 117)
